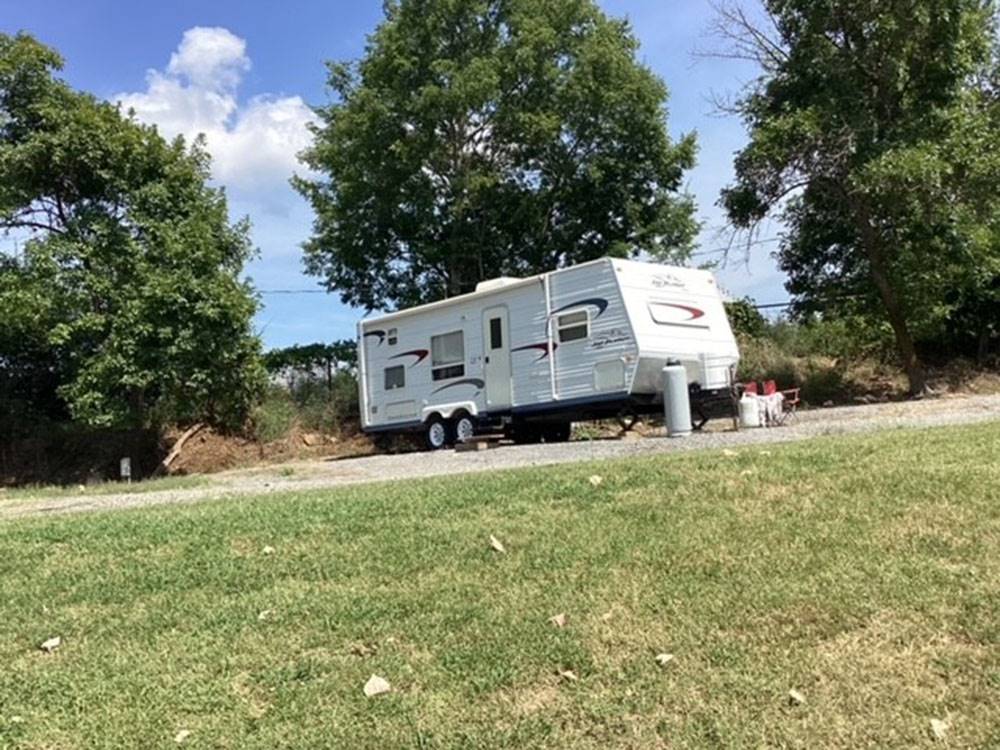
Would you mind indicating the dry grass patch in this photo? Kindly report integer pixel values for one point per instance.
(883, 681)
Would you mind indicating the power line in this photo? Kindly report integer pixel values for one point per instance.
(731, 247)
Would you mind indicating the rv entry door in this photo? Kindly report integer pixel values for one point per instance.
(496, 357)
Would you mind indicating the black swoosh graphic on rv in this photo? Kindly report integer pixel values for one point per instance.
(599, 302)
(380, 335)
(480, 384)
(543, 348)
(420, 354)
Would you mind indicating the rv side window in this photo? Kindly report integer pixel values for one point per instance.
(393, 337)
(573, 326)
(395, 377)
(448, 356)
(496, 334)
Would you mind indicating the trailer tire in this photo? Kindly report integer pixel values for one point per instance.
(436, 433)
(464, 427)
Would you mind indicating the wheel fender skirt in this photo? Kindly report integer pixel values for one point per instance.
(448, 410)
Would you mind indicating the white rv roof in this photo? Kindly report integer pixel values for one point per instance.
(500, 283)
(492, 286)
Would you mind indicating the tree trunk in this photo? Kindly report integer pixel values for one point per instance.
(983, 350)
(462, 275)
(912, 365)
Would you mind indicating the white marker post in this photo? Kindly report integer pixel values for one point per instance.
(125, 468)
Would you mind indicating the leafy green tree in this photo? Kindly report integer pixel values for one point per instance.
(126, 289)
(745, 319)
(310, 360)
(319, 380)
(874, 136)
(479, 138)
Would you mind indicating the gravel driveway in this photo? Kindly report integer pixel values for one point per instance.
(332, 473)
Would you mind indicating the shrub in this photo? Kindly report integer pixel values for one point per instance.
(763, 359)
(850, 338)
(821, 378)
(326, 408)
(274, 417)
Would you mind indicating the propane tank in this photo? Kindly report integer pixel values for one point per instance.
(676, 401)
(749, 411)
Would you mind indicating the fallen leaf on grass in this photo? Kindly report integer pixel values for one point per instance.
(269, 550)
(497, 545)
(182, 735)
(939, 728)
(363, 649)
(376, 686)
(730, 453)
(664, 659)
(264, 615)
(51, 644)
(796, 698)
(558, 620)
(765, 453)
(596, 480)
(568, 674)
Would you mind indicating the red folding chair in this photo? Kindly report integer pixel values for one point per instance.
(770, 387)
(750, 388)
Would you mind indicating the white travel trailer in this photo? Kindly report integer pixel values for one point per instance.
(530, 356)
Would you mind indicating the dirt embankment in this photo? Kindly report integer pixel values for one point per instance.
(209, 451)
(67, 455)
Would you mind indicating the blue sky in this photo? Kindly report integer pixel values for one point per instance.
(246, 74)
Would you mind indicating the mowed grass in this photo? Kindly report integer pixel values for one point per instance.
(38, 491)
(863, 572)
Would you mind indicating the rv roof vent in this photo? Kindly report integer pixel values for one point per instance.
(490, 284)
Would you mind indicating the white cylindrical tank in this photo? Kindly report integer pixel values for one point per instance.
(676, 401)
(749, 411)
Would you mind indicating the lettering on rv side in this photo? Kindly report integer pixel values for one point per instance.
(611, 337)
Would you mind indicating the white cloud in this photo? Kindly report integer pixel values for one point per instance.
(210, 58)
(253, 144)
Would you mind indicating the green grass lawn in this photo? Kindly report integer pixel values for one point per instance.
(35, 492)
(863, 572)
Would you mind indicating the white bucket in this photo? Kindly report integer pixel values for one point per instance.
(749, 411)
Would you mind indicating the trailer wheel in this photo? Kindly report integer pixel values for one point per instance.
(465, 428)
(436, 434)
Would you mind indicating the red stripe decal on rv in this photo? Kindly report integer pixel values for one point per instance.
(476, 382)
(693, 311)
